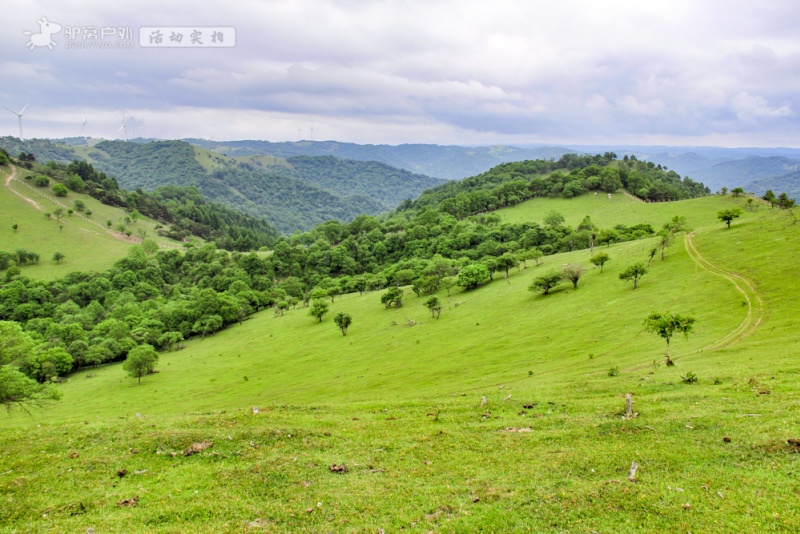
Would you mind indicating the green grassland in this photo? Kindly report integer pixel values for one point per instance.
(401, 406)
(85, 242)
(619, 209)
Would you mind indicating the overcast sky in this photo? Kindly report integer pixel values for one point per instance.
(723, 73)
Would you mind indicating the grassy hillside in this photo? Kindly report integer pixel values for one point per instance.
(400, 406)
(87, 244)
(619, 209)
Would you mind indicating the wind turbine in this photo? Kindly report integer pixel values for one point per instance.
(83, 128)
(19, 116)
(124, 128)
(312, 134)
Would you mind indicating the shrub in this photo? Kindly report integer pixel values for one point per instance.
(689, 378)
(60, 190)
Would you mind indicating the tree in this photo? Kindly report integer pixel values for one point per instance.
(506, 262)
(16, 345)
(737, 191)
(651, 255)
(318, 309)
(60, 190)
(168, 340)
(141, 361)
(16, 389)
(729, 215)
(553, 219)
(666, 325)
(208, 324)
(600, 259)
(48, 364)
(573, 273)
(546, 282)
(15, 227)
(58, 212)
(784, 202)
(57, 257)
(281, 307)
(434, 306)
(633, 272)
(393, 297)
(343, 321)
(472, 275)
(41, 180)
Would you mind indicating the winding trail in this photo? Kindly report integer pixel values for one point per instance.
(755, 304)
(11, 176)
(8, 185)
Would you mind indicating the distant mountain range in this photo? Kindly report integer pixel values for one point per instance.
(716, 167)
(296, 185)
(447, 162)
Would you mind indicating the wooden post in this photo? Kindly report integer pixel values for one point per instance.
(632, 471)
(628, 405)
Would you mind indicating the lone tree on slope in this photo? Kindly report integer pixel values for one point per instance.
(573, 273)
(600, 259)
(343, 320)
(666, 325)
(727, 216)
(434, 305)
(141, 361)
(546, 282)
(318, 309)
(634, 272)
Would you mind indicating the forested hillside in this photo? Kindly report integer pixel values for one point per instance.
(292, 196)
(377, 181)
(572, 175)
(446, 162)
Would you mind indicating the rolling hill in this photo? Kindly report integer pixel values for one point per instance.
(86, 241)
(294, 194)
(445, 162)
(505, 414)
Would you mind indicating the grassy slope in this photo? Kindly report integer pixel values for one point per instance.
(619, 209)
(86, 246)
(401, 407)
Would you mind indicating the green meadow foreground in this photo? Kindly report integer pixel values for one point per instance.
(387, 428)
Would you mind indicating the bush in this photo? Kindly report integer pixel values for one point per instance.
(689, 378)
(41, 181)
(60, 190)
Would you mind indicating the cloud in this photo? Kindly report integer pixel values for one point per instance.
(395, 71)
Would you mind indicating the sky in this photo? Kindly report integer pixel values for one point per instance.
(710, 73)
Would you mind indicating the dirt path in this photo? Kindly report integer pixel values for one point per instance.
(8, 185)
(755, 304)
(11, 176)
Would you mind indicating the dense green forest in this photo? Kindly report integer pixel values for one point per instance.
(377, 181)
(572, 175)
